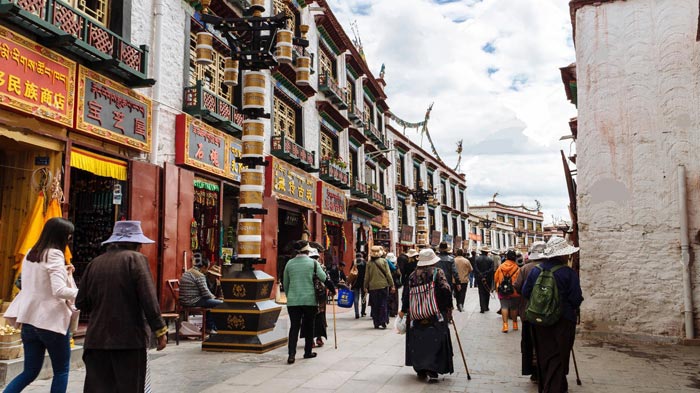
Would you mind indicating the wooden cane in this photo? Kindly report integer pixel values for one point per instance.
(335, 333)
(464, 359)
(578, 379)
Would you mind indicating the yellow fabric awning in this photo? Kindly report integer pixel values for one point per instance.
(97, 164)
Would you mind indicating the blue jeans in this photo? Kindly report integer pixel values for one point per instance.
(36, 342)
(209, 303)
(359, 299)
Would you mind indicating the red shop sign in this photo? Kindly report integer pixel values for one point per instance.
(36, 80)
(332, 201)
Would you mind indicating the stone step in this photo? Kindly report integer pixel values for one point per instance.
(9, 369)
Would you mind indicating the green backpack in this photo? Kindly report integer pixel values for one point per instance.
(543, 308)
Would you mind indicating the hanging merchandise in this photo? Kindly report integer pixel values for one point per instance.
(205, 225)
(345, 240)
(326, 235)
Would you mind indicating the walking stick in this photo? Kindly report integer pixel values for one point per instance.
(454, 325)
(578, 379)
(335, 334)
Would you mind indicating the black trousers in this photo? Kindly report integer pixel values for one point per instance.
(484, 295)
(461, 294)
(553, 346)
(296, 315)
(114, 370)
(527, 349)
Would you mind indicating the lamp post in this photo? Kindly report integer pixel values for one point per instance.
(246, 321)
(518, 234)
(486, 222)
(420, 197)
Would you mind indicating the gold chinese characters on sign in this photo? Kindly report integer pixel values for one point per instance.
(292, 184)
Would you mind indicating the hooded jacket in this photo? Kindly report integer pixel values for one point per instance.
(507, 268)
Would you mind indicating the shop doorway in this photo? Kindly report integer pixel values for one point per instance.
(291, 228)
(205, 225)
(229, 220)
(96, 203)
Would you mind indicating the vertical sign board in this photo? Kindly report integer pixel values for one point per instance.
(200, 146)
(35, 80)
(406, 238)
(235, 150)
(111, 111)
(435, 237)
(331, 201)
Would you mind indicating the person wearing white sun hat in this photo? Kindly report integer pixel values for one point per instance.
(427, 300)
(553, 343)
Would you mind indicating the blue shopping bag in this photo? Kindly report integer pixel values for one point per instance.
(346, 298)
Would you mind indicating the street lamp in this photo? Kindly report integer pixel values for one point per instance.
(486, 222)
(518, 233)
(420, 197)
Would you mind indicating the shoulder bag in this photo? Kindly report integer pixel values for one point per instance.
(319, 287)
(422, 301)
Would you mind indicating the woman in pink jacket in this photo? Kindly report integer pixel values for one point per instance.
(42, 309)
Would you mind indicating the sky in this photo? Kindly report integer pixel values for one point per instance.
(491, 67)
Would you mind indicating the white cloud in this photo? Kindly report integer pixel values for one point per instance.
(511, 117)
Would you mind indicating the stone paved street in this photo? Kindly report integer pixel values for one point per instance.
(369, 360)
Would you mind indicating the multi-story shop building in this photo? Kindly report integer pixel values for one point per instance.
(502, 226)
(446, 213)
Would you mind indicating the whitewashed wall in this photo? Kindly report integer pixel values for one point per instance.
(638, 69)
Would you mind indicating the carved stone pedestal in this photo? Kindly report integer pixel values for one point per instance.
(247, 321)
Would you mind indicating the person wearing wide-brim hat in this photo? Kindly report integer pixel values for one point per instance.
(117, 286)
(553, 343)
(214, 281)
(428, 343)
(529, 367)
(483, 275)
(408, 264)
(378, 283)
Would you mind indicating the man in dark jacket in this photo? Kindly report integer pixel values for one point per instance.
(118, 292)
(447, 264)
(553, 343)
(358, 285)
(483, 273)
(408, 265)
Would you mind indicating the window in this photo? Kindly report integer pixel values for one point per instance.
(212, 75)
(327, 65)
(399, 214)
(329, 145)
(381, 181)
(443, 191)
(539, 227)
(370, 174)
(445, 223)
(281, 6)
(431, 184)
(369, 113)
(530, 226)
(404, 212)
(452, 195)
(379, 121)
(455, 229)
(399, 170)
(521, 223)
(354, 171)
(285, 118)
(500, 218)
(95, 9)
(464, 230)
(431, 214)
(461, 200)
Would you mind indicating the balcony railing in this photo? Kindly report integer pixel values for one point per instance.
(335, 93)
(59, 25)
(359, 189)
(376, 196)
(355, 115)
(286, 149)
(215, 110)
(334, 175)
(375, 135)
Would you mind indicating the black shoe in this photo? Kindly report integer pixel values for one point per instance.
(482, 311)
(290, 359)
(310, 355)
(364, 315)
(422, 375)
(487, 309)
(498, 311)
(357, 317)
(382, 326)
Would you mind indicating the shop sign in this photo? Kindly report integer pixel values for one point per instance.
(36, 80)
(435, 237)
(235, 150)
(406, 234)
(290, 183)
(475, 237)
(332, 201)
(458, 243)
(203, 147)
(112, 111)
(447, 238)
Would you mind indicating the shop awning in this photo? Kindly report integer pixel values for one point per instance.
(97, 164)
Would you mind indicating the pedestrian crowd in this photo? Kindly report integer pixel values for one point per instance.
(539, 289)
(539, 295)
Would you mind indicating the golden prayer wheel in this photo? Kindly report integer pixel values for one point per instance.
(253, 127)
(249, 246)
(284, 46)
(249, 226)
(204, 49)
(253, 146)
(303, 70)
(230, 72)
(254, 84)
(251, 196)
(253, 176)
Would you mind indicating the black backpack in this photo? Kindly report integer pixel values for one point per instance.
(505, 288)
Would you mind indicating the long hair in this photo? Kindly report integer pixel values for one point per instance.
(56, 234)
